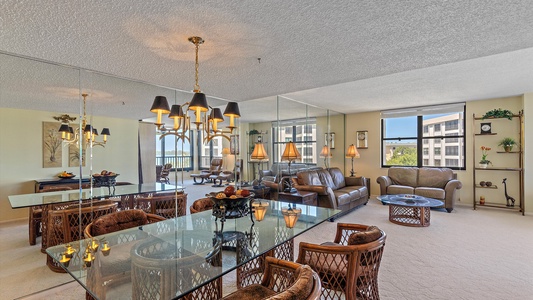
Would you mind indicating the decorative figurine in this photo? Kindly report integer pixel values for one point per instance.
(510, 200)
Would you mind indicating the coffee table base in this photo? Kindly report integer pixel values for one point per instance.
(409, 216)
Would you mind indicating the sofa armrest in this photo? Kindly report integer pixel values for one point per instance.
(384, 182)
(319, 189)
(450, 191)
(269, 178)
(357, 181)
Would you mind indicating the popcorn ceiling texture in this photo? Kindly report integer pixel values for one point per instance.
(360, 49)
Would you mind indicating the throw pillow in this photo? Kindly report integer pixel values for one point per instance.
(371, 234)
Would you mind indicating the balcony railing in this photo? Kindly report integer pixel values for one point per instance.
(179, 162)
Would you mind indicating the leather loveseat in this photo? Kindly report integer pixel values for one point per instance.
(333, 189)
(277, 178)
(436, 183)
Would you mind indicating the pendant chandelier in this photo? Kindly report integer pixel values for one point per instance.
(205, 118)
(89, 133)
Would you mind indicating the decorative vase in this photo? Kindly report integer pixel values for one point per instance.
(483, 166)
(482, 200)
(508, 148)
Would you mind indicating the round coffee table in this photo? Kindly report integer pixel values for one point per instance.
(410, 210)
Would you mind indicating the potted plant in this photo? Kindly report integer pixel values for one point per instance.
(498, 113)
(507, 144)
(484, 162)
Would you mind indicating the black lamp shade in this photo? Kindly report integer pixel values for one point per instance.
(176, 112)
(105, 131)
(64, 128)
(232, 109)
(70, 130)
(87, 128)
(216, 114)
(160, 104)
(95, 132)
(199, 101)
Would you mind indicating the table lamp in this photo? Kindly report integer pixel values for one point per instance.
(326, 153)
(260, 155)
(352, 153)
(290, 154)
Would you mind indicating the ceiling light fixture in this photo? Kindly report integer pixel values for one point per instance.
(73, 137)
(204, 119)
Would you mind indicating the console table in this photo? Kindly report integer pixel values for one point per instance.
(43, 184)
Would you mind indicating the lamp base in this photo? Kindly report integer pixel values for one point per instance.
(290, 190)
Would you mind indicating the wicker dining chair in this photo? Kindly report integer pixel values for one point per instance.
(201, 204)
(36, 214)
(117, 269)
(64, 224)
(282, 280)
(165, 172)
(349, 266)
(163, 204)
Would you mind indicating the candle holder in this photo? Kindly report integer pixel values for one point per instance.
(105, 248)
(69, 252)
(291, 214)
(65, 260)
(88, 257)
(260, 209)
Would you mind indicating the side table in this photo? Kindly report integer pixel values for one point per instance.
(301, 197)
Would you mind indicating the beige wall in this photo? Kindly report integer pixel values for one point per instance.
(369, 165)
(528, 152)
(21, 154)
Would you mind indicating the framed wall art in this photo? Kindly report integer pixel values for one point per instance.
(362, 139)
(52, 146)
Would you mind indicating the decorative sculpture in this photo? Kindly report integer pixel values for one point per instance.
(510, 200)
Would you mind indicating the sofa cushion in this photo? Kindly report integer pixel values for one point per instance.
(428, 192)
(308, 178)
(434, 177)
(404, 176)
(325, 178)
(371, 234)
(343, 197)
(338, 178)
(400, 189)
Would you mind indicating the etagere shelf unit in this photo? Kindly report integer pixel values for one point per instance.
(518, 168)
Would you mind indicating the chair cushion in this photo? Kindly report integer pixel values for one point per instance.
(251, 292)
(301, 288)
(203, 204)
(119, 221)
(371, 234)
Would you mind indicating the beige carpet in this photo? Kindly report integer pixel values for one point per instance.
(483, 254)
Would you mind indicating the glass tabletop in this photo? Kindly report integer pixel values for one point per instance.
(410, 200)
(174, 257)
(27, 200)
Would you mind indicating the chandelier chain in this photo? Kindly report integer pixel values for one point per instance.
(196, 85)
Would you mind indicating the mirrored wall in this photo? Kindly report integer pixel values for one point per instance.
(35, 93)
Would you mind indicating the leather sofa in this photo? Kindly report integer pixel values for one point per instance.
(278, 177)
(436, 183)
(333, 189)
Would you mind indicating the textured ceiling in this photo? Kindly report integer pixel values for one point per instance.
(348, 56)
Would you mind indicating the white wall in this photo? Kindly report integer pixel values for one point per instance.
(21, 154)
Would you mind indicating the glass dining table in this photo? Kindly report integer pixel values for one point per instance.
(180, 256)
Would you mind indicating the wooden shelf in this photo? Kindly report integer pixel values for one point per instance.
(486, 187)
(478, 134)
(498, 205)
(499, 169)
(492, 118)
(509, 152)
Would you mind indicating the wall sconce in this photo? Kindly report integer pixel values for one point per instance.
(291, 214)
(352, 153)
(326, 154)
(260, 209)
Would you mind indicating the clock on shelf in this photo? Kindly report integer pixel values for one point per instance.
(486, 128)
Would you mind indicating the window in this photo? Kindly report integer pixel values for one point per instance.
(451, 150)
(302, 132)
(208, 151)
(451, 125)
(165, 152)
(407, 135)
(426, 162)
